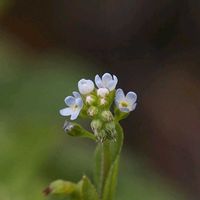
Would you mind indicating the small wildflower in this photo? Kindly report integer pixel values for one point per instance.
(108, 81)
(125, 103)
(74, 104)
(85, 86)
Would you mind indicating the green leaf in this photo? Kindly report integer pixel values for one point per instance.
(88, 190)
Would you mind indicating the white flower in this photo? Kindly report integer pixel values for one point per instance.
(125, 103)
(102, 92)
(108, 81)
(74, 104)
(85, 86)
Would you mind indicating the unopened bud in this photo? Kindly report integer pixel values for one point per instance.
(68, 126)
(92, 111)
(103, 101)
(60, 187)
(107, 115)
(96, 125)
(102, 92)
(110, 130)
(90, 99)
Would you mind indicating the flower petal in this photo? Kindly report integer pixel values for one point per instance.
(111, 85)
(66, 111)
(98, 81)
(119, 95)
(75, 115)
(131, 97)
(79, 102)
(70, 100)
(106, 78)
(133, 106)
(123, 109)
(76, 94)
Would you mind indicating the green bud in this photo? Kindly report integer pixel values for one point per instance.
(107, 116)
(74, 129)
(110, 130)
(96, 125)
(92, 111)
(60, 187)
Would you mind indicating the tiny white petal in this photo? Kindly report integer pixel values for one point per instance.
(133, 107)
(98, 81)
(79, 102)
(76, 94)
(70, 100)
(106, 78)
(66, 111)
(119, 95)
(112, 83)
(131, 97)
(74, 115)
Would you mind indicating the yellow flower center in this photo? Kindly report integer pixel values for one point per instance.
(124, 104)
(74, 107)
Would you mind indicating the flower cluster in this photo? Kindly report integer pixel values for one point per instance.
(96, 103)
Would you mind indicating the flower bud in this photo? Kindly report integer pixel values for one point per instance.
(102, 92)
(60, 187)
(103, 101)
(107, 116)
(92, 111)
(110, 130)
(90, 99)
(68, 126)
(85, 86)
(96, 125)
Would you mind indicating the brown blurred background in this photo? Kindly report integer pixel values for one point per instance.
(153, 47)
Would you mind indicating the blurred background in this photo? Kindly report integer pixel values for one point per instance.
(151, 45)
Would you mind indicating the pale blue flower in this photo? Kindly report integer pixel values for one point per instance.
(74, 104)
(125, 103)
(85, 86)
(107, 81)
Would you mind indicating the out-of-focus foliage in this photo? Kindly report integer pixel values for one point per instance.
(4, 5)
(33, 148)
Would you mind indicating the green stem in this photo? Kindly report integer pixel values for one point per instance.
(105, 164)
(107, 157)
